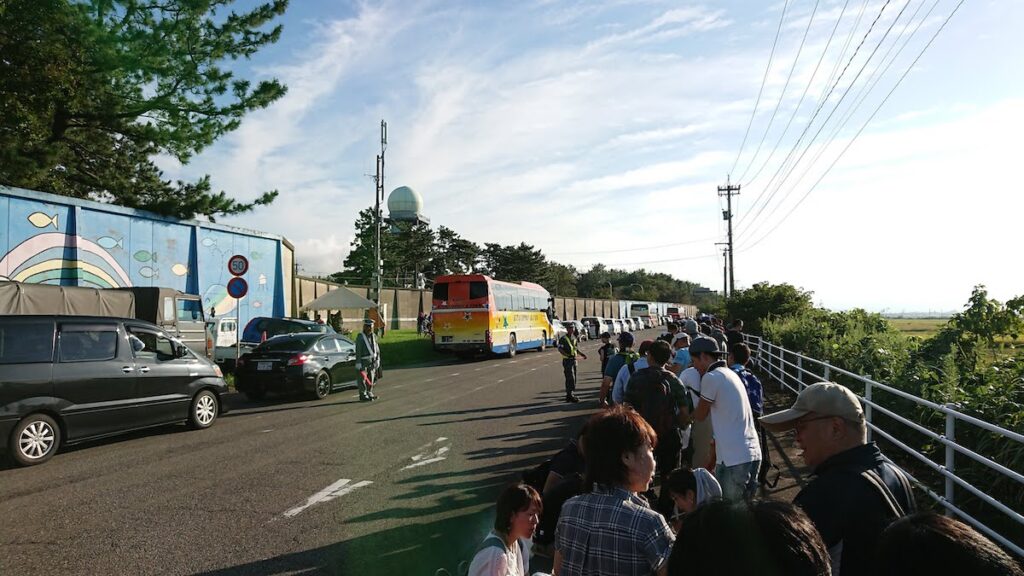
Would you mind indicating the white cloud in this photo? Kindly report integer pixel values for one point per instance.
(584, 126)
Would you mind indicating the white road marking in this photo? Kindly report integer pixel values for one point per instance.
(424, 457)
(338, 489)
(436, 457)
(455, 374)
(270, 430)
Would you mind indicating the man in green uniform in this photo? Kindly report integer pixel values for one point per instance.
(567, 347)
(367, 361)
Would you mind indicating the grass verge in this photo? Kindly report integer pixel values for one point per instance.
(405, 347)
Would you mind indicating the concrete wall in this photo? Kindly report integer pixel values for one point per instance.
(404, 305)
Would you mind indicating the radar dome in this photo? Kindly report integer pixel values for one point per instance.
(405, 205)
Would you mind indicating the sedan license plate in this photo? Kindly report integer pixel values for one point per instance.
(264, 365)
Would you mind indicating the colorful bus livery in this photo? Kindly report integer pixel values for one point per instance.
(475, 313)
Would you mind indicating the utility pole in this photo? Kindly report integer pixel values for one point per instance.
(729, 191)
(725, 267)
(378, 273)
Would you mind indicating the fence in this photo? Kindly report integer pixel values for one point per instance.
(792, 370)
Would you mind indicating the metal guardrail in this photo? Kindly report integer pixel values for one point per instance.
(773, 361)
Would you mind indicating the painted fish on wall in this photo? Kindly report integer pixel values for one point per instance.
(42, 220)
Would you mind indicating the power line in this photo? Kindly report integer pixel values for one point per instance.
(866, 122)
(632, 249)
(810, 143)
(866, 88)
(761, 89)
(782, 95)
(663, 261)
(802, 97)
(816, 112)
(821, 102)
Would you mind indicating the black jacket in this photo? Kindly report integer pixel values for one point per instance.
(849, 510)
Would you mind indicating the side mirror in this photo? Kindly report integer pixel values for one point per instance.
(181, 351)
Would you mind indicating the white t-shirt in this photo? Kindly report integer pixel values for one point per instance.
(494, 561)
(691, 379)
(732, 421)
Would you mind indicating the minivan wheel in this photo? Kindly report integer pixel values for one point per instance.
(204, 410)
(323, 385)
(34, 440)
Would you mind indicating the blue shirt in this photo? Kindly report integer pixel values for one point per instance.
(613, 532)
(622, 378)
(683, 357)
(614, 363)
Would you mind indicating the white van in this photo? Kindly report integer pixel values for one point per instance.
(222, 334)
(594, 325)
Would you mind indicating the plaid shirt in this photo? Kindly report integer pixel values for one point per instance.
(613, 532)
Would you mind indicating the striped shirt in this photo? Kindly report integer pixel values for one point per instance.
(611, 531)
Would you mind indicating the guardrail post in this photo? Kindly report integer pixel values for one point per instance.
(781, 366)
(827, 375)
(867, 406)
(800, 372)
(950, 454)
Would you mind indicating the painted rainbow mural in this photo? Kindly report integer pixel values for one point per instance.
(51, 239)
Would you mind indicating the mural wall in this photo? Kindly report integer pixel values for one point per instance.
(56, 240)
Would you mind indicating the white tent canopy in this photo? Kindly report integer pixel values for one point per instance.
(338, 299)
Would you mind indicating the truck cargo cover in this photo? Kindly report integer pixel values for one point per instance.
(17, 298)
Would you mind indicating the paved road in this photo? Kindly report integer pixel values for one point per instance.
(404, 485)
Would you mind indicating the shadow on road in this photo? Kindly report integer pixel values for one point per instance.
(438, 520)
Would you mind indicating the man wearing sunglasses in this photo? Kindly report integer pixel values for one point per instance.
(856, 491)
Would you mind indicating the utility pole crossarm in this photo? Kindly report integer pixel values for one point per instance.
(729, 190)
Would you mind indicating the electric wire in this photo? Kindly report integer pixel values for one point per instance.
(782, 95)
(764, 79)
(865, 89)
(631, 249)
(861, 130)
(664, 261)
(810, 123)
(810, 143)
(820, 103)
(807, 89)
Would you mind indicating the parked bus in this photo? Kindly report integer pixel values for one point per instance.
(475, 313)
(644, 310)
(673, 313)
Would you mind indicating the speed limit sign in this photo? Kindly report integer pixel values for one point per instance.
(238, 265)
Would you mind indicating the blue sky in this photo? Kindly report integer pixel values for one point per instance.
(592, 128)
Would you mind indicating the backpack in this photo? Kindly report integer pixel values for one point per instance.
(537, 476)
(651, 395)
(755, 391)
(630, 357)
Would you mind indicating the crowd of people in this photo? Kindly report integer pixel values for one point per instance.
(663, 479)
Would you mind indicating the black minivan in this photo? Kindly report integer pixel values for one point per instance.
(66, 379)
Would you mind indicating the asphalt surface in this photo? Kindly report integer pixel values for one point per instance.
(403, 485)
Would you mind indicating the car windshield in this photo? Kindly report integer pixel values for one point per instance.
(290, 343)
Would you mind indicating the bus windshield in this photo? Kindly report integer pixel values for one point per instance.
(460, 293)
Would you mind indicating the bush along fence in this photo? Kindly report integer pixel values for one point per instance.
(955, 466)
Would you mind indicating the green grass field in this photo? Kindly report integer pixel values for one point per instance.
(405, 347)
(920, 327)
(925, 328)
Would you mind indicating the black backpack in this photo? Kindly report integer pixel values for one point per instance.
(650, 393)
(536, 477)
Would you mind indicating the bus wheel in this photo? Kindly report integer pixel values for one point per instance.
(511, 345)
(543, 341)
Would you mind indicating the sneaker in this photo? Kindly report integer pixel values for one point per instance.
(372, 396)
(572, 398)
(364, 398)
